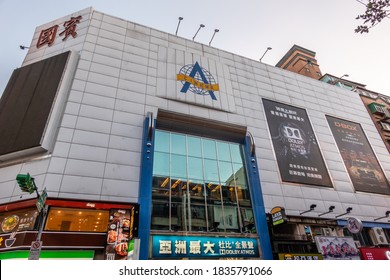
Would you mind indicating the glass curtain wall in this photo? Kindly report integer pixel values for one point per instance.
(199, 185)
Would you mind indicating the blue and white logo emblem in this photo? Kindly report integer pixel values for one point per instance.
(197, 80)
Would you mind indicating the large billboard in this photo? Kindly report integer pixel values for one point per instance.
(296, 148)
(358, 156)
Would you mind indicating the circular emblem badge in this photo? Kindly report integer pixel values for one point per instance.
(354, 225)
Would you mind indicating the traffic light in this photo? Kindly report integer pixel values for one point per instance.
(26, 183)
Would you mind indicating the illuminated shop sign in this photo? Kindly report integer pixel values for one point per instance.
(18, 220)
(203, 247)
(359, 158)
(299, 257)
(48, 36)
(197, 80)
(297, 152)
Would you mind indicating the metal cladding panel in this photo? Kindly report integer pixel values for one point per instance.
(27, 102)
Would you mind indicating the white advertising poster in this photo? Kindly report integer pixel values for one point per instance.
(337, 248)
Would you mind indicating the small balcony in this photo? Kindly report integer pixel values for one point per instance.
(377, 109)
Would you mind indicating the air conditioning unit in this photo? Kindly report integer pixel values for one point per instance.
(378, 236)
(328, 232)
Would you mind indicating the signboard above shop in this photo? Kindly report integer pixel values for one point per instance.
(20, 220)
(375, 253)
(198, 247)
(278, 215)
(299, 257)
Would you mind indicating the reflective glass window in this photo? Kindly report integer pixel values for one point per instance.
(199, 184)
(194, 146)
(195, 168)
(74, 219)
(226, 172)
(223, 151)
(162, 141)
(178, 166)
(209, 149)
(161, 164)
(211, 170)
(178, 144)
(236, 153)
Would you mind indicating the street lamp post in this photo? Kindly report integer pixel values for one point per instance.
(178, 24)
(215, 31)
(200, 26)
(268, 49)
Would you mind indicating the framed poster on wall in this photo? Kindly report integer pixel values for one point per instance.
(362, 165)
(297, 152)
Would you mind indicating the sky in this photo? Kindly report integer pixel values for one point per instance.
(247, 28)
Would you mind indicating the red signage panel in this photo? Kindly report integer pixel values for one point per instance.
(375, 253)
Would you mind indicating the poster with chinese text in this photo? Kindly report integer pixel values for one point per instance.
(119, 233)
(296, 148)
(359, 159)
(337, 247)
(197, 247)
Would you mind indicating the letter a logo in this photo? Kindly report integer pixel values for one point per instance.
(198, 80)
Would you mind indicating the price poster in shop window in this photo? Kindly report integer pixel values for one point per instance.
(297, 152)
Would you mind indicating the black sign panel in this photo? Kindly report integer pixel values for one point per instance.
(297, 152)
(358, 156)
(28, 101)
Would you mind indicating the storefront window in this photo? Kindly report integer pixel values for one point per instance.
(199, 184)
(72, 219)
(362, 237)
